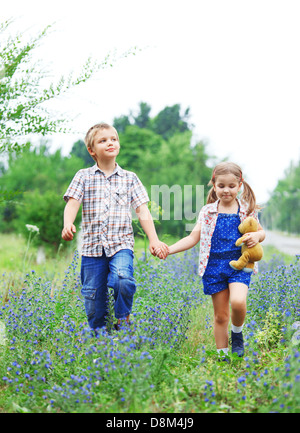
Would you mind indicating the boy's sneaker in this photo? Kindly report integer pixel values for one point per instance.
(237, 343)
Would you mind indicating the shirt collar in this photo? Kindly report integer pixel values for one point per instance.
(118, 170)
(214, 207)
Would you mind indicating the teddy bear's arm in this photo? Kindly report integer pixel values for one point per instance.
(240, 240)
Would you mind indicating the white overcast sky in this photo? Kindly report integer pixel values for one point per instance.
(235, 63)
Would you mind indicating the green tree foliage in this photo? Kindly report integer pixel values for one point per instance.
(38, 180)
(121, 123)
(177, 164)
(169, 121)
(44, 211)
(23, 94)
(142, 120)
(79, 150)
(283, 209)
(134, 143)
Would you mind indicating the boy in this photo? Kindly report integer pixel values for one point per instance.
(107, 192)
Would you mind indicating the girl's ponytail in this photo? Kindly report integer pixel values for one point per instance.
(211, 196)
(249, 198)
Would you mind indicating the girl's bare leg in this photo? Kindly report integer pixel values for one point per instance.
(238, 300)
(221, 318)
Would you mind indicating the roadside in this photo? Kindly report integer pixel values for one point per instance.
(288, 244)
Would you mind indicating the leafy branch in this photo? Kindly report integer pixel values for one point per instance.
(22, 95)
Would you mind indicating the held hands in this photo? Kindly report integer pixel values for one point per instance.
(159, 249)
(67, 232)
(162, 255)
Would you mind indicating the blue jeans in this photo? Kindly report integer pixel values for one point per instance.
(100, 273)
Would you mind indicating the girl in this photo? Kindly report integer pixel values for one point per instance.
(217, 228)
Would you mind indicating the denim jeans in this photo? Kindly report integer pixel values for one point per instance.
(100, 273)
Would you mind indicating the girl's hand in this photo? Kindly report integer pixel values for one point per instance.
(251, 239)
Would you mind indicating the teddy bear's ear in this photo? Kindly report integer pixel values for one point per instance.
(253, 226)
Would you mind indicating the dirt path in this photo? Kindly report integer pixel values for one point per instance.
(286, 244)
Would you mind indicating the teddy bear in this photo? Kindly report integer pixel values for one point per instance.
(249, 255)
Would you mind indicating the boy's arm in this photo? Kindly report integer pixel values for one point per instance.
(70, 213)
(188, 242)
(147, 224)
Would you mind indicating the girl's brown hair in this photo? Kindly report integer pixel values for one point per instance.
(90, 135)
(248, 196)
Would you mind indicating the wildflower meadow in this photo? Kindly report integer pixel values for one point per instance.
(165, 362)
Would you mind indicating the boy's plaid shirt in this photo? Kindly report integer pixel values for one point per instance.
(106, 208)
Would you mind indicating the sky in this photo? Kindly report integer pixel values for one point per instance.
(234, 63)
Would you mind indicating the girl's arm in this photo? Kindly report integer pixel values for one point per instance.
(184, 244)
(188, 242)
(148, 226)
(255, 237)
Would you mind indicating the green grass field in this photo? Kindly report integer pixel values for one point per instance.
(166, 363)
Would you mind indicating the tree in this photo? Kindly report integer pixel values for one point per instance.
(79, 149)
(142, 119)
(169, 121)
(38, 179)
(44, 211)
(121, 123)
(282, 211)
(181, 167)
(22, 95)
(134, 143)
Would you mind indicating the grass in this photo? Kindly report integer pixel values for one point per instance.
(271, 253)
(167, 363)
(17, 258)
(13, 248)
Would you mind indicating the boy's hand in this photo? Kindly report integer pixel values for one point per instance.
(67, 232)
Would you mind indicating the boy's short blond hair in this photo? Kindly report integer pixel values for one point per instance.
(90, 135)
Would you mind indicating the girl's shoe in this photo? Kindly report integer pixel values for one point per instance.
(237, 343)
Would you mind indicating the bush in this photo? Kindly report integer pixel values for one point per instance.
(46, 212)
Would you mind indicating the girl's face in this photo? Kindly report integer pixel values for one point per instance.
(227, 187)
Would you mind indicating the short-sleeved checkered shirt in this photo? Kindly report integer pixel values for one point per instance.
(106, 208)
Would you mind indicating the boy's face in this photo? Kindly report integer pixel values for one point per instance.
(106, 145)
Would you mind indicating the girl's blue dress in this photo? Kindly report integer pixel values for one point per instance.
(218, 273)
